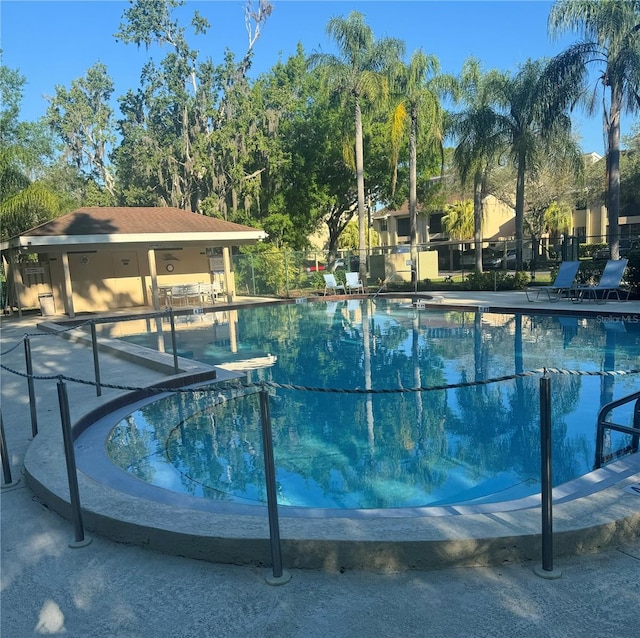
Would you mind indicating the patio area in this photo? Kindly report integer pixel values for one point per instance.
(104, 588)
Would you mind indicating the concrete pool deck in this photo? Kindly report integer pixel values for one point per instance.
(114, 589)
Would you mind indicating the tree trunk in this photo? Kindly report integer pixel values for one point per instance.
(362, 242)
(477, 218)
(613, 161)
(520, 210)
(413, 213)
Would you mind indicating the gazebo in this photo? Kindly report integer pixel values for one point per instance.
(106, 258)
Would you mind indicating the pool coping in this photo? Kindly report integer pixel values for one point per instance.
(585, 519)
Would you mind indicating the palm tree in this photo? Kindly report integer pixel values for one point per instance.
(418, 88)
(558, 217)
(26, 199)
(478, 144)
(23, 203)
(532, 113)
(458, 219)
(356, 74)
(611, 40)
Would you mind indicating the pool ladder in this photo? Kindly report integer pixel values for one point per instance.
(604, 424)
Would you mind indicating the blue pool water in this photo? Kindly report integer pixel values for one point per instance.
(340, 450)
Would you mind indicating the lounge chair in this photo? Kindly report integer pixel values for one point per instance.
(353, 282)
(609, 284)
(562, 284)
(331, 285)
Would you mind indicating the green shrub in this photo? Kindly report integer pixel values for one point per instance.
(587, 250)
(495, 280)
(262, 271)
(315, 280)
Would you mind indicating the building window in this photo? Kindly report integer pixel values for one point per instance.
(435, 222)
(402, 225)
(383, 226)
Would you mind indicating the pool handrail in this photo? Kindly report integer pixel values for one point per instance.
(603, 424)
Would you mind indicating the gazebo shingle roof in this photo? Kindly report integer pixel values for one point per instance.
(133, 221)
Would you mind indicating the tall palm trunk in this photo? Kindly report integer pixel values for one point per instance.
(477, 218)
(413, 198)
(362, 242)
(613, 163)
(520, 210)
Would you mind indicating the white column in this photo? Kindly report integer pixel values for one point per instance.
(67, 289)
(228, 279)
(155, 297)
(17, 280)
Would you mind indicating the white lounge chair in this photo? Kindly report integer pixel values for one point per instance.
(562, 284)
(331, 285)
(353, 282)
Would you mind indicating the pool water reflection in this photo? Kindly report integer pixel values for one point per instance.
(341, 450)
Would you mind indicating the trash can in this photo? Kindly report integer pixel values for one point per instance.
(47, 307)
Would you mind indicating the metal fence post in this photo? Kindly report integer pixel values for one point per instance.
(547, 570)
(253, 274)
(32, 394)
(70, 457)
(4, 453)
(174, 347)
(96, 362)
(278, 577)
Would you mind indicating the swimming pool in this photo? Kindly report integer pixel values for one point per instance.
(341, 450)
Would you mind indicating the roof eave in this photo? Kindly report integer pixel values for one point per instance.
(58, 241)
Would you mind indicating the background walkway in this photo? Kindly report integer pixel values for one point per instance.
(112, 590)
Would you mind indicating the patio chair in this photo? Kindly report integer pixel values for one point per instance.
(609, 284)
(210, 292)
(216, 289)
(163, 295)
(331, 285)
(353, 282)
(193, 294)
(562, 284)
(178, 296)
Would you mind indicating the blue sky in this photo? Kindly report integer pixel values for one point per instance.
(53, 42)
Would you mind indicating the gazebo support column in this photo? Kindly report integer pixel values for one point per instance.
(155, 297)
(16, 275)
(226, 264)
(67, 290)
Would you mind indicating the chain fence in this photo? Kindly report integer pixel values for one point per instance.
(269, 271)
(193, 384)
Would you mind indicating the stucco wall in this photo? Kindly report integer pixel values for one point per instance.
(107, 279)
